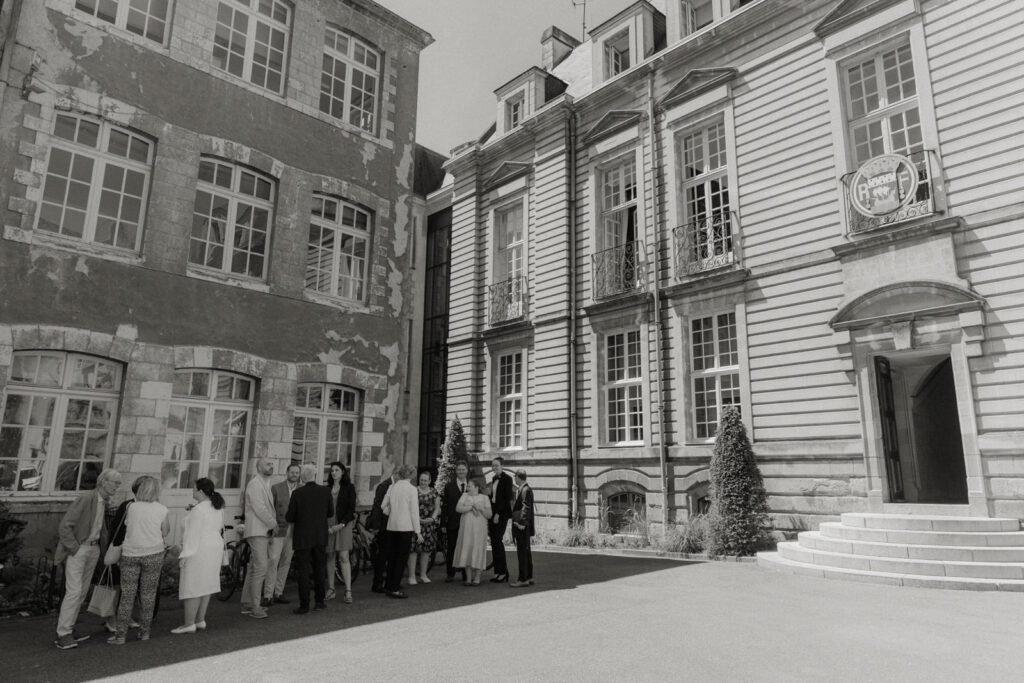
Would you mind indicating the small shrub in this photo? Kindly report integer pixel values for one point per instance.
(577, 536)
(689, 537)
(739, 503)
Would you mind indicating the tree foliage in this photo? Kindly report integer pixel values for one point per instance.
(452, 450)
(739, 504)
(10, 528)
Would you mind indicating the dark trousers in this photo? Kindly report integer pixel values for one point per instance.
(380, 562)
(311, 564)
(399, 545)
(497, 533)
(523, 553)
(449, 556)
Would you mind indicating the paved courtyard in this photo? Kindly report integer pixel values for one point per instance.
(591, 617)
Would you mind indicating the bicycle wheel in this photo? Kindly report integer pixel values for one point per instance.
(357, 559)
(242, 565)
(228, 573)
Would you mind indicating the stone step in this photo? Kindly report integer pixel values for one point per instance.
(779, 563)
(975, 570)
(959, 553)
(875, 520)
(949, 538)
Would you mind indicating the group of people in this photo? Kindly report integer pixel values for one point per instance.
(295, 520)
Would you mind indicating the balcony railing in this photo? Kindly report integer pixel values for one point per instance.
(923, 203)
(705, 244)
(620, 270)
(507, 301)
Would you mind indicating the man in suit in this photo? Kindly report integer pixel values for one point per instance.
(308, 511)
(523, 530)
(260, 528)
(281, 543)
(503, 493)
(378, 521)
(451, 519)
(82, 540)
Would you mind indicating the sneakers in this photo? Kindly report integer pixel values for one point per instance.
(246, 609)
(115, 640)
(258, 614)
(66, 642)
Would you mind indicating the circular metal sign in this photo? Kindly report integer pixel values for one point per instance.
(883, 184)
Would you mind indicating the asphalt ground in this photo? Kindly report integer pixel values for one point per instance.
(589, 618)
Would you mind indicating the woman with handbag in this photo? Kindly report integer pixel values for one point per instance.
(202, 548)
(116, 530)
(142, 558)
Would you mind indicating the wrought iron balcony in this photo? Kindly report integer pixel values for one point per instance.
(922, 204)
(507, 301)
(705, 244)
(620, 270)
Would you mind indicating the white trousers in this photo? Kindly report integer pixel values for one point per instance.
(78, 569)
(280, 561)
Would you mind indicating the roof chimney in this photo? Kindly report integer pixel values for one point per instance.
(555, 45)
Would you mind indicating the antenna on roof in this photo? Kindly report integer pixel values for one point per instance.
(577, 3)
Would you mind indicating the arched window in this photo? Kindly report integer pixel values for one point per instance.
(208, 428)
(624, 511)
(326, 416)
(57, 432)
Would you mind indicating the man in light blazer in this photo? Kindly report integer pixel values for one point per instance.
(260, 527)
(281, 543)
(523, 530)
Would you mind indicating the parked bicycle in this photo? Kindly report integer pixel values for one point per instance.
(235, 562)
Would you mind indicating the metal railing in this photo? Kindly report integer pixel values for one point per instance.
(923, 203)
(705, 244)
(507, 300)
(620, 270)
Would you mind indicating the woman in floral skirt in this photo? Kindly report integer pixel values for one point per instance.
(430, 512)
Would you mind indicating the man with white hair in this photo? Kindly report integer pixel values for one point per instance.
(260, 528)
(308, 511)
(402, 507)
(83, 537)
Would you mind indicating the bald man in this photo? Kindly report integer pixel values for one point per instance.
(260, 527)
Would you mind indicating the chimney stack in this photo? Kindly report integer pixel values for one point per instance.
(555, 45)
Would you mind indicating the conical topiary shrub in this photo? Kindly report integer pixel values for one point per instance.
(452, 450)
(739, 504)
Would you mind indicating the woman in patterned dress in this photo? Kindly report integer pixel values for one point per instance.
(430, 512)
(339, 529)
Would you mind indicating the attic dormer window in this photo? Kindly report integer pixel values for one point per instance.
(514, 112)
(697, 14)
(616, 54)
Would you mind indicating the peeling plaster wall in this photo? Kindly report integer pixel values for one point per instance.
(54, 290)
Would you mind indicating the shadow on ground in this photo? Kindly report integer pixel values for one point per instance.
(28, 653)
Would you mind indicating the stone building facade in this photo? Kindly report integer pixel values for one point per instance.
(807, 210)
(208, 243)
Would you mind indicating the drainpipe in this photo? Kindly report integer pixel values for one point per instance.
(570, 146)
(658, 360)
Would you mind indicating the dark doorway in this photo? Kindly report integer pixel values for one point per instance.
(433, 383)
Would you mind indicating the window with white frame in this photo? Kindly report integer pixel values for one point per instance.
(696, 14)
(623, 388)
(324, 430)
(705, 193)
(338, 250)
(231, 219)
(96, 183)
(146, 18)
(618, 203)
(715, 370)
(510, 400)
(514, 111)
(208, 428)
(881, 104)
(251, 41)
(57, 430)
(350, 79)
(508, 225)
(616, 54)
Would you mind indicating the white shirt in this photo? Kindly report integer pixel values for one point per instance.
(144, 529)
(402, 505)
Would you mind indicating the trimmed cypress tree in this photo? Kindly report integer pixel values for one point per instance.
(452, 450)
(739, 503)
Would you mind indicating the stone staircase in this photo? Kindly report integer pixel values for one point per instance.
(930, 551)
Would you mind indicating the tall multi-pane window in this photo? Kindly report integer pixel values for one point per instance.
(251, 41)
(715, 370)
(881, 104)
(618, 203)
(350, 79)
(338, 249)
(616, 54)
(57, 430)
(510, 400)
(231, 219)
(147, 18)
(705, 192)
(623, 388)
(514, 112)
(208, 428)
(508, 225)
(324, 431)
(97, 182)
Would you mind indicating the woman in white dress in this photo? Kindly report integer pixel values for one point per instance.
(202, 548)
(471, 548)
